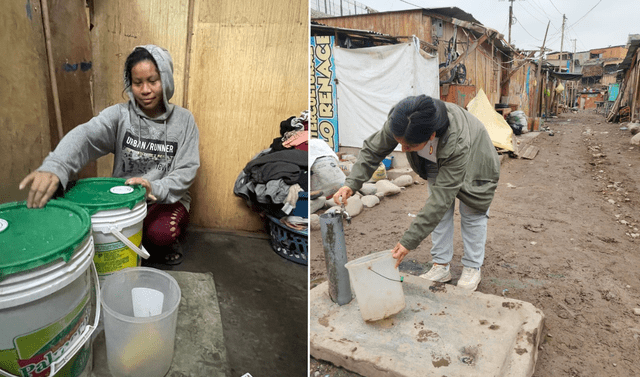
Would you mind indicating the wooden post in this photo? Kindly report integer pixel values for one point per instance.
(635, 92)
(535, 98)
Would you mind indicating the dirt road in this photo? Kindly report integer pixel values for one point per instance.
(561, 236)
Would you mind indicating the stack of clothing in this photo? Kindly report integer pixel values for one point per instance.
(271, 181)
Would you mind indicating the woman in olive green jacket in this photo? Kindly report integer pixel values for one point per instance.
(452, 150)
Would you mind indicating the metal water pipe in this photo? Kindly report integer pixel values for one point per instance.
(335, 255)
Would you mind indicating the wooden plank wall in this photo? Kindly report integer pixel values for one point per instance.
(24, 91)
(483, 68)
(402, 23)
(249, 72)
(518, 86)
(121, 25)
(248, 69)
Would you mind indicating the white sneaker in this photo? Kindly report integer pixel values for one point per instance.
(469, 279)
(438, 272)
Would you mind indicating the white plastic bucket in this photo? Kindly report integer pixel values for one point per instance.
(45, 310)
(117, 235)
(140, 346)
(377, 285)
(117, 216)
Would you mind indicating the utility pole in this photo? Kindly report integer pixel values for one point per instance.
(510, 19)
(562, 40)
(538, 89)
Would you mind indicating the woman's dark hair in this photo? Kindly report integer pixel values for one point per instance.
(138, 55)
(416, 118)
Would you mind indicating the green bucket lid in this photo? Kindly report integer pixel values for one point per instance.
(103, 194)
(34, 237)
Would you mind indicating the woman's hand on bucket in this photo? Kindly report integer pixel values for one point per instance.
(145, 183)
(399, 252)
(43, 185)
(345, 193)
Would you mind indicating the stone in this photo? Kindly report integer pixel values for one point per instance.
(314, 222)
(387, 188)
(368, 189)
(635, 140)
(317, 204)
(636, 311)
(634, 128)
(397, 172)
(354, 206)
(370, 201)
(403, 180)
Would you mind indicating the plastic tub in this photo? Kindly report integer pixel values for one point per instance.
(47, 294)
(139, 346)
(377, 285)
(117, 215)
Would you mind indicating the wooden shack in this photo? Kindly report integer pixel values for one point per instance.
(239, 66)
(626, 108)
(458, 38)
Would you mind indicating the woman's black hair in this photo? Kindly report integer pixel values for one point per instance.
(138, 55)
(416, 118)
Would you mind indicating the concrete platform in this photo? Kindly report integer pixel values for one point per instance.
(443, 331)
(199, 344)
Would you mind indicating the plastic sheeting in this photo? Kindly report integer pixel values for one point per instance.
(372, 80)
(499, 130)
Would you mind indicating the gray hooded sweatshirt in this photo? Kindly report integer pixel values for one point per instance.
(163, 150)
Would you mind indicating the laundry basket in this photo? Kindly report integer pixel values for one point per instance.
(289, 243)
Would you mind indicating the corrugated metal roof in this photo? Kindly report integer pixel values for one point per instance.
(633, 46)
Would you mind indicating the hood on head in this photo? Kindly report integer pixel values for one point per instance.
(165, 66)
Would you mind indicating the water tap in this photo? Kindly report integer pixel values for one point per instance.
(345, 214)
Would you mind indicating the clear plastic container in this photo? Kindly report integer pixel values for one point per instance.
(377, 284)
(139, 346)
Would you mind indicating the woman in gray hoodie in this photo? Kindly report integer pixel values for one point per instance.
(155, 144)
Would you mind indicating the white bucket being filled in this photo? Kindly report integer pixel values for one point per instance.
(377, 285)
(49, 295)
(117, 215)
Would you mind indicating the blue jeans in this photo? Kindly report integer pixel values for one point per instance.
(473, 224)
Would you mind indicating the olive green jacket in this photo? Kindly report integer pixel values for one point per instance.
(468, 169)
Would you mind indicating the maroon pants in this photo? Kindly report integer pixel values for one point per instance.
(165, 223)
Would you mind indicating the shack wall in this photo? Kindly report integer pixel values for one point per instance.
(245, 69)
(249, 71)
(24, 114)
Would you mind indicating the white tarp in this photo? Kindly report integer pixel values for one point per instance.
(372, 80)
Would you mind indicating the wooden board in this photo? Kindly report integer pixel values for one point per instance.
(71, 47)
(527, 151)
(24, 94)
(248, 72)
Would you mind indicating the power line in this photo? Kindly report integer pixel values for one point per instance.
(527, 31)
(555, 7)
(585, 14)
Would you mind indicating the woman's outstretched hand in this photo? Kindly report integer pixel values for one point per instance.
(145, 183)
(345, 193)
(43, 185)
(399, 252)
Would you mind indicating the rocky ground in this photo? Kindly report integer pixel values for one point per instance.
(563, 235)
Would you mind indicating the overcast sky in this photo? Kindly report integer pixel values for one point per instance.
(592, 23)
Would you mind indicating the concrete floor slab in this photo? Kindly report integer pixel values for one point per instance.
(199, 344)
(443, 331)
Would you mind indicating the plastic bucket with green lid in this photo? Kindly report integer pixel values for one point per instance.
(117, 214)
(47, 296)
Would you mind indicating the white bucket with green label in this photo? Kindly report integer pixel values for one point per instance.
(117, 215)
(49, 294)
